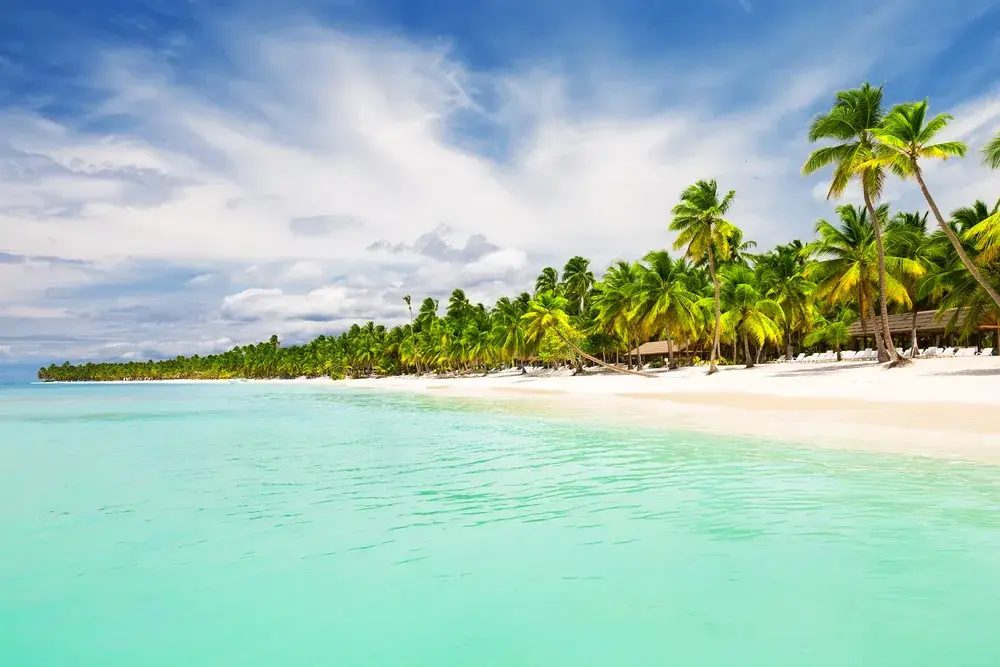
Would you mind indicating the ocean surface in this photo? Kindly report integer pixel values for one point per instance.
(170, 525)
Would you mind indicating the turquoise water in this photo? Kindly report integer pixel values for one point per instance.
(217, 525)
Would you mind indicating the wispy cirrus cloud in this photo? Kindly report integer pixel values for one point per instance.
(319, 174)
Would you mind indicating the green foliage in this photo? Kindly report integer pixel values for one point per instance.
(804, 292)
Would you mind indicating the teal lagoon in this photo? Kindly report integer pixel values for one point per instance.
(208, 525)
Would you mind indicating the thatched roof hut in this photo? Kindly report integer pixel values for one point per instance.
(928, 322)
(659, 348)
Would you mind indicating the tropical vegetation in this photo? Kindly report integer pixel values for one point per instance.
(716, 298)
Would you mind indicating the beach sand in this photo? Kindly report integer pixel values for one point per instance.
(933, 407)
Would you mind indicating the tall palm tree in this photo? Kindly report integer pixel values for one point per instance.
(782, 276)
(409, 306)
(547, 280)
(614, 303)
(664, 304)
(748, 313)
(578, 281)
(846, 266)
(850, 123)
(706, 234)
(905, 138)
(547, 313)
(991, 153)
(907, 237)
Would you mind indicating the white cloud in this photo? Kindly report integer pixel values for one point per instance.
(326, 144)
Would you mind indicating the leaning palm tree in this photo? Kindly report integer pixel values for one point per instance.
(905, 138)
(706, 234)
(991, 153)
(855, 115)
(547, 313)
(984, 229)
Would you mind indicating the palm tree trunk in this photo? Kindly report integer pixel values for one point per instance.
(788, 344)
(746, 351)
(914, 350)
(712, 368)
(670, 355)
(950, 233)
(889, 348)
(596, 360)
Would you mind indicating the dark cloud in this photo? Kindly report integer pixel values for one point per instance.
(434, 245)
(140, 187)
(322, 225)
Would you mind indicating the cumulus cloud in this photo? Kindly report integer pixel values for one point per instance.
(297, 196)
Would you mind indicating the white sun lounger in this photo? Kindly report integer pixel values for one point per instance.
(987, 352)
(847, 355)
(947, 352)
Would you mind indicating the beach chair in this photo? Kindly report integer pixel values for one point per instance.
(930, 352)
(848, 355)
(966, 352)
(987, 352)
(947, 352)
(802, 355)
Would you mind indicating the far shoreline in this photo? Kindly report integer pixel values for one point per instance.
(944, 408)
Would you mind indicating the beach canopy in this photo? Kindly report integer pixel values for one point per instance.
(658, 347)
(928, 321)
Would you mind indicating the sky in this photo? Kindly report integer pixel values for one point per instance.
(179, 176)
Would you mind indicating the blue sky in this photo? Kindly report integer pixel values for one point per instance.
(182, 175)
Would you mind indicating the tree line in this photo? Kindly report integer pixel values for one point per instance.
(718, 298)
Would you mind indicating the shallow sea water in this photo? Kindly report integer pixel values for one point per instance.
(247, 524)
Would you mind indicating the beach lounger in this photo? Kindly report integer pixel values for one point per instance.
(947, 352)
(987, 352)
(847, 355)
(802, 355)
(966, 352)
(931, 352)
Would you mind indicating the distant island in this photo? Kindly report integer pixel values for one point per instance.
(719, 302)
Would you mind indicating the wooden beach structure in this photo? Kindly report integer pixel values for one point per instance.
(932, 327)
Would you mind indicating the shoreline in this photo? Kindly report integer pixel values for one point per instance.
(944, 408)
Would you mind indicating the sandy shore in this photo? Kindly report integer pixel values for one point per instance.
(934, 407)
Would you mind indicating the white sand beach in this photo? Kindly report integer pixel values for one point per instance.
(933, 407)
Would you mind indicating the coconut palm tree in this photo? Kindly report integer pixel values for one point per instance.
(706, 235)
(547, 281)
(614, 304)
(835, 332)
(949, 284)
(907, 235)
(747, 313)
(984, 229)
(855, 115)
(577, 282)
(547, 315)
(846, 266)
(782, 276)
(991, 153)
(664, 305)
(905, 138)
